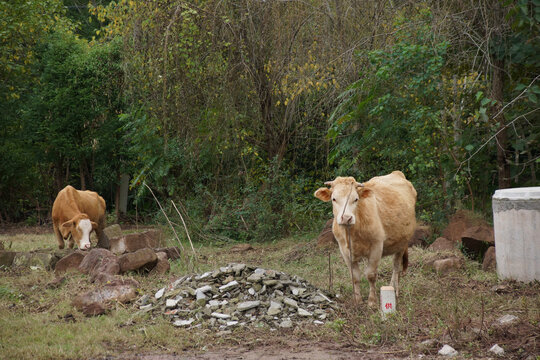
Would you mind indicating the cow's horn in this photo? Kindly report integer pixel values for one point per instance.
(359, 184)
(329, 183)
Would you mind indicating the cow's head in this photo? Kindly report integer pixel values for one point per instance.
(80, 228)
(344, 193)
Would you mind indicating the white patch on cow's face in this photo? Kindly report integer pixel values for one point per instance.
(85, 227)
(344, 201)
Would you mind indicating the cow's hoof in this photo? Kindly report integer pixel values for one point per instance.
(372, 304)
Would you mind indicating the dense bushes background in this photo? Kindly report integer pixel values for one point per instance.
(238, 110)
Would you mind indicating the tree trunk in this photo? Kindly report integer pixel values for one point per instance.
(59, 175)
(117, 201)
(81, 174)
(503, 168)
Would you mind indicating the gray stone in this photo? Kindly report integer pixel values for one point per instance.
(140, 259)
(237, 268)
(447, 350)
(497, 350)
(297, 291)
(136, 241)
(100, 261)
(40, 259)
(203, 276)
(162, 264)
(160, 293)
(199, 295)
(286, 324)
(70, 262)
(507, 320)
(96, 301)
(290, 302)
(113, 231)
(171, 303)
(173, 252)
(302, 312)
(220, 316)
(228, 286)
(255, 277)
(182, 323)
(274, 309)
(247, 305)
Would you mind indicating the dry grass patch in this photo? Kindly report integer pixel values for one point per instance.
(458, 308)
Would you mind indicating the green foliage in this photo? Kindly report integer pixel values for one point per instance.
(279, 205)
(66, 126)
(224, 106)
(402, 114)
(22, 23)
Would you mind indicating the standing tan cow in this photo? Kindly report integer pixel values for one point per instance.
(377, 218)
(79, 213)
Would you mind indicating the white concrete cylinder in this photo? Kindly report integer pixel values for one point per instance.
(516, 221)
(388, 299)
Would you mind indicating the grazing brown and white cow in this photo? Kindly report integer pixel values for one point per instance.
(372, 220)
(79, 213)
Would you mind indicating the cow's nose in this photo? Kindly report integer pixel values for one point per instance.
(346, 219)
(86, 246)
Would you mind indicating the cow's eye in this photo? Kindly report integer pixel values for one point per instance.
(355, 200)
(334, 199)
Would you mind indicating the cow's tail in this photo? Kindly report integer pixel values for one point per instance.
(405, 260)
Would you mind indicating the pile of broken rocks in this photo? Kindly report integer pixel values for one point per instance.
(240, 295)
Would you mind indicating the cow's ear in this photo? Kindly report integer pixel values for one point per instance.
(94, 225)
(323, 194)
(363, 192)
(66, 228)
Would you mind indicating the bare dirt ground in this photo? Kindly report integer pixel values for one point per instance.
(296, 350)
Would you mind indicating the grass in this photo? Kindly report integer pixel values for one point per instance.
(459, 308)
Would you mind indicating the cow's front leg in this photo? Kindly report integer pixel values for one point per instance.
(371, 275)
(70, 241)
(356, 277)
(354, 271)
(59, 237)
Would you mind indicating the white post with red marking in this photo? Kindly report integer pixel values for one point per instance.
(388, 300)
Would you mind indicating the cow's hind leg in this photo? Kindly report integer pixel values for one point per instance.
(398, 263)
